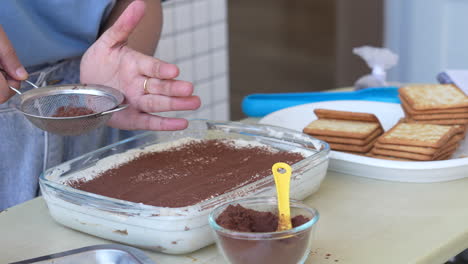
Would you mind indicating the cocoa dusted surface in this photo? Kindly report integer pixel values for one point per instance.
(188, 174)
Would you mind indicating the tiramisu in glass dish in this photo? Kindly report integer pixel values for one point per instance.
(155, 190)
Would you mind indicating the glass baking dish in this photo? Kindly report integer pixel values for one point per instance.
(173, 230)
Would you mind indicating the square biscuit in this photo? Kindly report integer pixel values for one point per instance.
(352, 148)
(405, 105)
(440, 116)
(420, 150)
(413, 149)
(459, 128)
(446, 156)
(411, 155)
(352, 141)
(418, 134)
(376, 156)
(433, 96)
(401, 154)
(448, 152)
(460, 121)
(341, 128)
(432, 116)
(345, 115)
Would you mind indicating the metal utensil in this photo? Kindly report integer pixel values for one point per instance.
(41, 105)
(98, 254)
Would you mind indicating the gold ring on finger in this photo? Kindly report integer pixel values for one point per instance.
(145, 86)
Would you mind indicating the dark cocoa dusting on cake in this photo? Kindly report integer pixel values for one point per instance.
(187, 174)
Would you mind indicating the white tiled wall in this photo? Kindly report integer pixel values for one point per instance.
(194, 37)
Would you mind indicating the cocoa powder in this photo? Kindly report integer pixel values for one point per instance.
(188, 174)
(239, 218)
(70, 111)
(288, 250)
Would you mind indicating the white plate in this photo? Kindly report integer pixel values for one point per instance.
(298, 117)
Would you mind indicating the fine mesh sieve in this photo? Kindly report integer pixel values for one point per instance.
(41, 104)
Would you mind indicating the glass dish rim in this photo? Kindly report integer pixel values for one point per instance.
(137, 208)
(263, 235)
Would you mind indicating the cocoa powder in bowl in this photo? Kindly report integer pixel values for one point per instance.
(263, 244)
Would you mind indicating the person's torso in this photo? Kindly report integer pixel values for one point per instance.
(47, 31)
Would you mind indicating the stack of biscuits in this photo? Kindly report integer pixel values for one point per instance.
(440, 104)
(345, 131)
(418, 142)
(436, 118)
(435, 122)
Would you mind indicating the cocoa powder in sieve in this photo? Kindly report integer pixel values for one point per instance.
(70, 111)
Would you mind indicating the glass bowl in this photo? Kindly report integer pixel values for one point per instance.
(287, 247)
(172, 230)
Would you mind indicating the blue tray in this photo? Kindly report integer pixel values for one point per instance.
(258, 105)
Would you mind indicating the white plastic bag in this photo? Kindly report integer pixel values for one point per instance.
(379, 60)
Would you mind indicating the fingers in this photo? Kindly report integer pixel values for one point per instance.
(152, 67)
(119, 32)
(152, 122)
(168, 87)
(12, 66)
(5, 91)
(9, 61)
(142, 121)
(160, 103)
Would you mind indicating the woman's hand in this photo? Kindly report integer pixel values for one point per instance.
(9, 63)
(109, 61)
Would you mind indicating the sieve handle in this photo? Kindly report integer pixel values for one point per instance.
(13, 88)
(32, 84)
(116, 109)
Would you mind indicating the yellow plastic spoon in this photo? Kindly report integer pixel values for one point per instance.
(282, 175)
